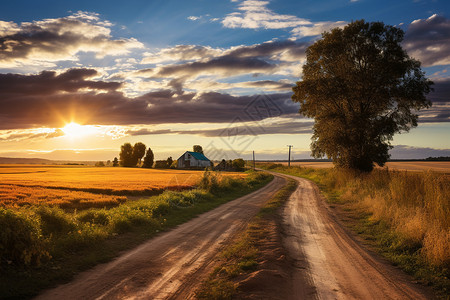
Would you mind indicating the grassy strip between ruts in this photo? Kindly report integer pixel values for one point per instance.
(244, 255)
(402, 215)
(43, 246)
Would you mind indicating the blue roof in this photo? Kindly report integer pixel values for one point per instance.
(199, 156)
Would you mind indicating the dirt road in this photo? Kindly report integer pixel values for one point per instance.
(328, 263)
(172, 264)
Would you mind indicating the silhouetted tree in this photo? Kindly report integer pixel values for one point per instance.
(148, 159)
(169, 161)
(361, 87)
(138, 152)
(115, 162)
(108, 163)
(198, 148)
(126, 156)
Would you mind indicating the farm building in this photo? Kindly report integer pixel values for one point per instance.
(193, 160)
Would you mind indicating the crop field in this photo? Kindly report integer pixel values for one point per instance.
(437, 166)
(84, 187)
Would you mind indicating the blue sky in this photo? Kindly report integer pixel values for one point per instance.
(176, 73)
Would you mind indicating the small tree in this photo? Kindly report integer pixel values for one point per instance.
(238, 164)
(99, 164)
(169, 161)
(115, 162)
(138, 152)
(148, 159)
(360, 87)
(198, 148)
(126, 156)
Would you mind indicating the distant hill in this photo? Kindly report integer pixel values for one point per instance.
(42, 161)
(14, 160)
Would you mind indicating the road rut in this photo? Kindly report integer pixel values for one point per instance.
(328, 262)
(171, 265)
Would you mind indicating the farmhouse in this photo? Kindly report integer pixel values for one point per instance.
(193, 160)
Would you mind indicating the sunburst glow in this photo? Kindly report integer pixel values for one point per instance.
(74, 130)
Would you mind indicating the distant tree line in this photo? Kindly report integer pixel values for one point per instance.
(139, 156)
(440, 158)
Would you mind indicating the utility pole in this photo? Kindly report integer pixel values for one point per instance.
(289, 161)
(253, 160)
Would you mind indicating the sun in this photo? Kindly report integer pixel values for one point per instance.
(74, 130)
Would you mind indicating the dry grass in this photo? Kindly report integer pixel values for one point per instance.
(437, 166)
(417, 207)
(84, 187)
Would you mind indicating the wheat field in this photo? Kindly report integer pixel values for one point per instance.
(84, 186)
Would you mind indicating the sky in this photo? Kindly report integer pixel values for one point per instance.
(80, 78)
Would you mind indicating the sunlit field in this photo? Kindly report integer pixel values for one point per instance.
(83, 187)
(437, 166)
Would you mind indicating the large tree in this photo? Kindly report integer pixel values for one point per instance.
(126, 156)
(148, 159)
(138, 152)
(361, 88)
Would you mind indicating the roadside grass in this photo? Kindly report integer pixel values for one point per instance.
(403, 215)
(243, 255)
(41, 246)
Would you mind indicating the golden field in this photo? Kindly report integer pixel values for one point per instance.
(437, 166)
(84, 186)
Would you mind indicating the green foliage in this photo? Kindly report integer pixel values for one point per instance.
(54, 221)
(148, 159)
(361, 88)
(238, 164)
(21, 240)
(94, 216)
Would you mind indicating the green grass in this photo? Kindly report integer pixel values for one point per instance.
(243, 255)
(402, 215)
(44, 246)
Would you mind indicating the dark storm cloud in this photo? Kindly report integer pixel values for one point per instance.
(50, 100)
(238, 129)
(289, 50)
(48, 82)
(260, 58)
(428, 40)
(440, 98)
(224, 66)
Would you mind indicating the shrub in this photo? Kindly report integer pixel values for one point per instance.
(54, 221)
(95, 216)
(21, 240)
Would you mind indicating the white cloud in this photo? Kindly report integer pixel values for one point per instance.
(50, 40)
(254, 14)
